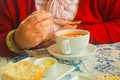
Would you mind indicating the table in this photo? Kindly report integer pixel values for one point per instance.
(106, 61)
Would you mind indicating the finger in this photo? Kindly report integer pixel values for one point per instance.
(39, 16)
(41, 26)
(46, 44)
(36, 28)
(49, 36)
(41, 35)
(68, 27)
(43, 15)
(47, 22)
(37, 37)
(64, 22)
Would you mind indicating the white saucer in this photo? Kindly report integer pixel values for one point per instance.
(55, 51)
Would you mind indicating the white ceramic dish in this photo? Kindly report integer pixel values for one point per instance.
(55, 51)
(62, 70)
(81, 78)
(50, 65)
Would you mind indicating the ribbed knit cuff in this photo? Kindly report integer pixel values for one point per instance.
(11, 44)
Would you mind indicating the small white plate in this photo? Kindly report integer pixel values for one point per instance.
(79, 77)
(55, 51)
(83, 76)
(62, 70)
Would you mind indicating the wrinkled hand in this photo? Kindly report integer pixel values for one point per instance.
(33, 30)
(50, 39)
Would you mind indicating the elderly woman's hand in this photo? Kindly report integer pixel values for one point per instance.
(33, 30)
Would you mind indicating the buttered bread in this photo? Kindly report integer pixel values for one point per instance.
(23, 70)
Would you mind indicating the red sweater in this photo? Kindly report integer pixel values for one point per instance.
(100, 17)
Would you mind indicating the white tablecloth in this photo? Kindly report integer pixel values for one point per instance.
(106, 61)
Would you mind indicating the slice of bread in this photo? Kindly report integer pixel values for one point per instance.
(23, 70)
